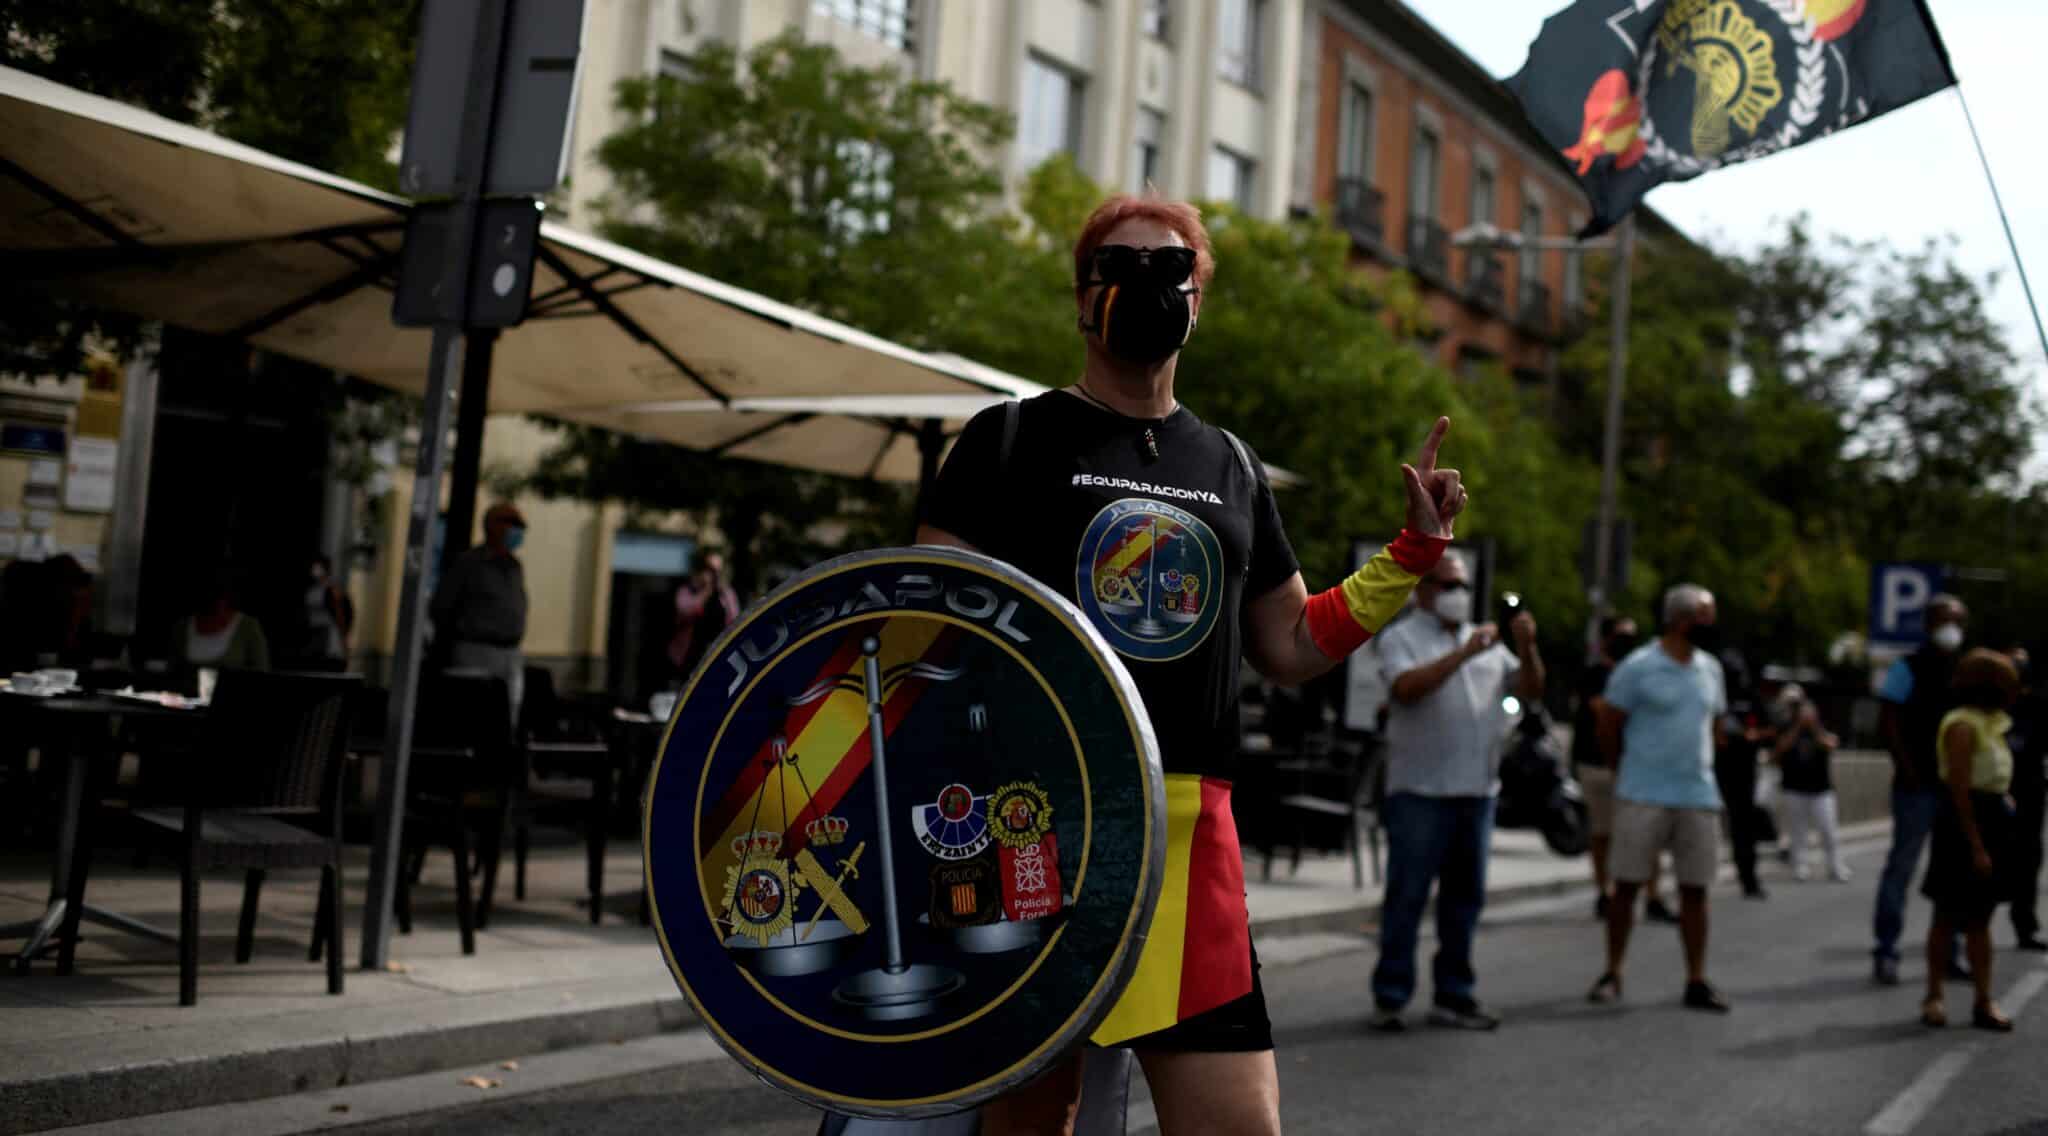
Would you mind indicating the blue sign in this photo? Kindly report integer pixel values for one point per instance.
(1898, 602)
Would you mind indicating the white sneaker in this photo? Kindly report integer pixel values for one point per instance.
(1802, 873)
(1841, 874)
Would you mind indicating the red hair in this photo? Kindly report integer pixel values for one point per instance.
(1179, 216)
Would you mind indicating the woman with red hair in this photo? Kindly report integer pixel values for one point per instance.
(1163, 530)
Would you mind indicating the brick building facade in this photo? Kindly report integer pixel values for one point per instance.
(1405, 140)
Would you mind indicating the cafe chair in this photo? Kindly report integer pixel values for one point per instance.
(559, 741)
(1327, 804)
(464, 765)
(271, 753)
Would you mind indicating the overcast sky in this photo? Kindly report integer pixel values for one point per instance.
(1907, 176)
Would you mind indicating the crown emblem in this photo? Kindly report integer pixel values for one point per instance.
(826, 830)
(757, 843)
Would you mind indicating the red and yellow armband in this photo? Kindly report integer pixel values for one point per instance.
(1343, 618)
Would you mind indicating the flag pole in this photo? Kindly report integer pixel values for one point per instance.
(1999, 201)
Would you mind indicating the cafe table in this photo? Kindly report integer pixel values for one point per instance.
(81, 732)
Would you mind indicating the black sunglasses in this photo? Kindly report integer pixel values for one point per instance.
(1452, 586)
(1173, 264)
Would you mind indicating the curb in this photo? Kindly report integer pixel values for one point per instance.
(150, 1087)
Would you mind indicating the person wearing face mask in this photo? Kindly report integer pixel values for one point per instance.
(480, 605)
(1915, 695)
(1618, 639)
(1444, 726)
(1163, 531)
(1661, 723)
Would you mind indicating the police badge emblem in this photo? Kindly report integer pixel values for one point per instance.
(981, 925)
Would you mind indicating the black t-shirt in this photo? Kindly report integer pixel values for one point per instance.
(1160, 554)
(1585, 723)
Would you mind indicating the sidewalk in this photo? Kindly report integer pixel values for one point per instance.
(111, 1041)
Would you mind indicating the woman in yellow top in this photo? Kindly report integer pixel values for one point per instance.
(1972, 831)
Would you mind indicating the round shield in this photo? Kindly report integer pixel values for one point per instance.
(905, 833)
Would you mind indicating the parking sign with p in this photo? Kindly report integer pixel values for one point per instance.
(1899, 593)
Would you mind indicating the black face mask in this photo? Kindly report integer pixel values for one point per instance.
(1705, 636)
(1619, 646)
(1141, 310)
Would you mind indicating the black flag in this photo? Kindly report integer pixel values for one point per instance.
(1640, 92)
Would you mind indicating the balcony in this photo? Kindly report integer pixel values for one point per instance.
(1484, 284)
(1429, 250)
(1362, 212)
(1533, 312)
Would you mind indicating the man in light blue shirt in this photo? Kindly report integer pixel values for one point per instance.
(1664, 707)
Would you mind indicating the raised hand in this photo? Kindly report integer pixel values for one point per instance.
(1435, 496)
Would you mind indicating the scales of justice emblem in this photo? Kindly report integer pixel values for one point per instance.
(1146, 573)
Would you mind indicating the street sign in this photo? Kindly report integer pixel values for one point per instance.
(500, 267)
(537, 75)
(1899, 592)
(905, 834)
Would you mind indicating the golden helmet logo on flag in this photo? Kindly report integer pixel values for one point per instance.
(906, 833)
(1640, 92)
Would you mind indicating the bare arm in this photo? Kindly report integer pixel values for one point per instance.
(1277, 637)
(1610, 722)
(926, 534)
(1417, 683)
(1529, 684)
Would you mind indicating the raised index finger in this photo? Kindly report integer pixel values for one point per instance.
(1425, 459)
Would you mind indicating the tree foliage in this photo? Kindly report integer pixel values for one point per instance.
(323, 82)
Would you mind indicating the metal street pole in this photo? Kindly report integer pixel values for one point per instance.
(1610, 441)
(444, 367)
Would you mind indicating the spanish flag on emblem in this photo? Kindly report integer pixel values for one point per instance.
(1198, 954)
(799, 775)
(1635, 93)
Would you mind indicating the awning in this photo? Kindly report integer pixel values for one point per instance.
(126, 209)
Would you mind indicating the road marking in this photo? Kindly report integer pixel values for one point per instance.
(2023, 992)
(1907, 1109)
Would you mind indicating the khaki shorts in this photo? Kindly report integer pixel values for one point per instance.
(1596, 787)
(1642, 831)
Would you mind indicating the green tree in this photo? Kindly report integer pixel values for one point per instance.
(323, 82)
(852, 191)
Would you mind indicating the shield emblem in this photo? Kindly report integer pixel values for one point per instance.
(905, 832)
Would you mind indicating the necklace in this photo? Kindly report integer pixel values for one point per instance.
(1149, 436)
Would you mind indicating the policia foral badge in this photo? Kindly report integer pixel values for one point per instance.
(905, 833)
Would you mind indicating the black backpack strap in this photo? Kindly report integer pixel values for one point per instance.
(1244, 456)
(1011, 412)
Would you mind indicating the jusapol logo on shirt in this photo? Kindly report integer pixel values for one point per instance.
(1147, 575)
(1089, 480)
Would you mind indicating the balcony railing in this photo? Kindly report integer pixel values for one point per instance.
(1362, 212)
(1533, 310)
(1429, 248)
(1483, 280)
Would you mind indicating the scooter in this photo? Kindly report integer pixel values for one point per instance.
(1537, 789)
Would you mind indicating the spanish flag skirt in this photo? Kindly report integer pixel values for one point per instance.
(1198, 956)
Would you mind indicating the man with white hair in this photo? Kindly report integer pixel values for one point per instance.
(1664, 706)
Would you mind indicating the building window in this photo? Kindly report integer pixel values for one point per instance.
(1485, 202)
(1231, 178)
(887, 20)
(1423, 173)
(1049, 121)
(1154, 18)
(1147, 141)
(1237, 40)
(1531, 268)
(1354, 149)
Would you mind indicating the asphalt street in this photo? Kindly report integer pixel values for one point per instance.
(1811, 1047)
